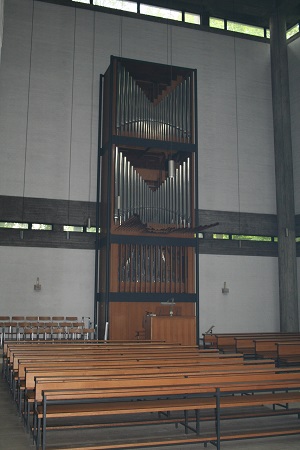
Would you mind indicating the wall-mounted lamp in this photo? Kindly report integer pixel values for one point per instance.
(37, 286)
(225, 289)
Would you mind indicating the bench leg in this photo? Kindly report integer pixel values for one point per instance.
(44, 424)
(186, 422)
(197, 415)
(38, 433)
(218, 425)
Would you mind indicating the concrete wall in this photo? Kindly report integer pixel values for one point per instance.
(234, 103)
(252, 303)
(49, 114)
(294, 74)
(1, 24)
(66, 277)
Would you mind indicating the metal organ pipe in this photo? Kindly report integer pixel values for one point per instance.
(166, 118)
(170, 203)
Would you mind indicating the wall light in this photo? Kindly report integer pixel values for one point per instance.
(37, 286)
(225, 289)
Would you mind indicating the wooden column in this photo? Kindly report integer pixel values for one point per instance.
(287, 262)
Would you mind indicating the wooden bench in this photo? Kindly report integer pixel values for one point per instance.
(66, 362)
(67, 372)
(267, 348)
(102, 397)
(227, 342)
(288, 353)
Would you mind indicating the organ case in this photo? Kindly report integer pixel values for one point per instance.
(148, 193)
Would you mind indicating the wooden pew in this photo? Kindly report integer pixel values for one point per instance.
(184, 388)
(267, 348)
(192, 368)
(288, 353)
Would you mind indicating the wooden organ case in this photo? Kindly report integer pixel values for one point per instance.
(147, 196)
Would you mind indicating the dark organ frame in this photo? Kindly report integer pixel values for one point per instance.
(147, 192)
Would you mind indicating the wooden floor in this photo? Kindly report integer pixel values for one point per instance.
(14, 437)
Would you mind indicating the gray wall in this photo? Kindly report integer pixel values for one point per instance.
(294, 73)
(1, 24)
(49, 113)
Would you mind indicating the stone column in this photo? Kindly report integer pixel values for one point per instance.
(1, 24)
(287, 261)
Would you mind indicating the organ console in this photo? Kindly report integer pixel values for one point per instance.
(147, 195)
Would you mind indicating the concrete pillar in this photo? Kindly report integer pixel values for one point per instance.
(287, 262)
(1, 24)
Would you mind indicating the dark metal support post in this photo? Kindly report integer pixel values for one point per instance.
(287, 262)
(96, 287)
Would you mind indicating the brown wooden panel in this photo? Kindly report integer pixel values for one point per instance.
(178, 329)
(126, 319)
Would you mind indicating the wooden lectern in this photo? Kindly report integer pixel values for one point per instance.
(177, 329)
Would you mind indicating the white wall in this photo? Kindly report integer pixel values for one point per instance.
(236, 162)
(66, 276)
(234, 102)
(1, 24)
(252, 303)
(294, 74)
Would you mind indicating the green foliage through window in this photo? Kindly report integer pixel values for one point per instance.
(164, 13)
(245, 29)
(217, 23)
(18, 225)
(192, 18)
(292, 31)
(242, 237)
(73, 228)
(41, 226)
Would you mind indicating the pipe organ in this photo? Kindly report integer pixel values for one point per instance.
(167, 203)
(147, 195)
(166, 117)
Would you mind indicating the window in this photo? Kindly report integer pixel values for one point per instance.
(246, 29)
(91, 230)
(73, 228)
(242, 237)
(41, 227)
(292, 31)
(164, 13)
(220, 236)
(216, 23)
(18, 225)
(122, 5)
(192, 18)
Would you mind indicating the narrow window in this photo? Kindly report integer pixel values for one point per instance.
(73, 228)
(292, 31)
(41, 227)
(192, 18)
(18, 225)
(246, 29)
(214, 22)
(242, 237)
(164, 13)
(117, 4)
